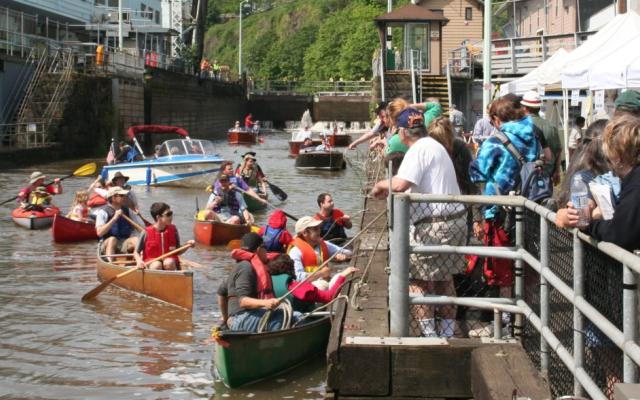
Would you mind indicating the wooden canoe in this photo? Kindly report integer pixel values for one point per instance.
(67, 230)
(339, 140)
(214, 233)
(34, 219)
(323, 160)
(241, 358)
(241, 137)
(253, 204)
(173, 287)
(294, 146)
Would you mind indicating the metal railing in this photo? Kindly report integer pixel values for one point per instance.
(574, 299)
(320, 88)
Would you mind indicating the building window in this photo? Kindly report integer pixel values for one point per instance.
(150, 13)
(143, 8)
(157, 17)
(468, 13)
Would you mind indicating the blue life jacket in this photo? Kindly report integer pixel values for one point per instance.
(121, 229)
(131, 155)
(228, 200)
(336, 232)
(271, 239)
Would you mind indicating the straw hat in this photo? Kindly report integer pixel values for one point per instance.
(35, 176)
(114, 190)
(119, 175)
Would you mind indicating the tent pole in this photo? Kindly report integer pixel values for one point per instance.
(565, 116)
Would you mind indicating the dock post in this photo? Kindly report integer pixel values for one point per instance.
(399, 257)
(578, 318)
(544, 295)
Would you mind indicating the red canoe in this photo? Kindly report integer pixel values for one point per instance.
(66, 230)
(213, 233)
(241, 137)
(34, 219)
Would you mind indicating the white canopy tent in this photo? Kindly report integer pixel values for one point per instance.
(547, 73)
(606, 46)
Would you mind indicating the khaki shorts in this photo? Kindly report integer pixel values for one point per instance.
(121, 245)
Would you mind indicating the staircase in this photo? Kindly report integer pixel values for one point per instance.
(436, 86)
(45, 97)
(398, 84)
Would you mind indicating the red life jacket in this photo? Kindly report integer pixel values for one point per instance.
(264, 285)
(158, 243)
(309, 257)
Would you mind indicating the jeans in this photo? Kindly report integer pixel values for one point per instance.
(248, 320)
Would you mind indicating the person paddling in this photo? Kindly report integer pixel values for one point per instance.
(252, 174)
(334, 221)
(115, 233)
(159, 238)
(37, 180)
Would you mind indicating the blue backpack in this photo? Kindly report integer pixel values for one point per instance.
(534, 183)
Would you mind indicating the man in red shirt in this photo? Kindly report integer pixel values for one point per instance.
(248, 121)
(334, 221)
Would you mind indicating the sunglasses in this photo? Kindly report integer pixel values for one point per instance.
(168, 214)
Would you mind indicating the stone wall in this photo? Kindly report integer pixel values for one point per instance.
(342, 108)
(279, 108)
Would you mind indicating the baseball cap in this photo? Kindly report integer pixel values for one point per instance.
(410, 118)
(306, 222)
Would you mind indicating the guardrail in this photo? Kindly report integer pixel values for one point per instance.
(24, 135)
(320, 88)
(574, 302)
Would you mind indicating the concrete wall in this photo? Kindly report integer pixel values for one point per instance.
(14, 76)
(341, 108)
(206, 109)
(278, 108)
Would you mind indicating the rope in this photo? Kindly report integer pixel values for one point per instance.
(310, 314)
(287, 317)
(336, 221)
(362, 282)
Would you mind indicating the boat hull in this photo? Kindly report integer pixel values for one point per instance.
(253, 205)
(339, 140)
(34, 219)
(294, 146)
(173, 287)
(251, 357)
(214, 233)
(242, 137)
(194, 173)
(330, 161)
(66, 230)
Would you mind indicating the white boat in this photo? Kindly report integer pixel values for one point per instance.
(179, 162)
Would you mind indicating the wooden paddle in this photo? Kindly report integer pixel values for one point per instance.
(266, 202)
(279, 193)
(85, 170)
(96, 291)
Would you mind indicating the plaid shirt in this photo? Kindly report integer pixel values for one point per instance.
(497, 167)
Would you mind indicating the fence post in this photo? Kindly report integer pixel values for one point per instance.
(544, 294)
(578, 319)
(519, 271)
(513, 56)
(399, 262)
(629, 320)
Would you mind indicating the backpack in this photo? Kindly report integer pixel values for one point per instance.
(534, 183)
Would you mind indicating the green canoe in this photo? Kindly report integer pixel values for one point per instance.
(241, 358)
(253, 204)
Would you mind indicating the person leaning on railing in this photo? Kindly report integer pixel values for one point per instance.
(621, 145)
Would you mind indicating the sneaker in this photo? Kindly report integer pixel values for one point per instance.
(485, 330)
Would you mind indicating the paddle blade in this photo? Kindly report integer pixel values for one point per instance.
(86, 170)
(96, 290)
(255, 228)
(233, 244)
(279, 193)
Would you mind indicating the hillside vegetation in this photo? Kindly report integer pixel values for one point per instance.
(297, 39)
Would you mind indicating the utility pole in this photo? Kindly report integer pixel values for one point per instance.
(240, 40)
(120, 27)
(486, 57)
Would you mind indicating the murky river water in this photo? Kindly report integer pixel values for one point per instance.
(53, 346)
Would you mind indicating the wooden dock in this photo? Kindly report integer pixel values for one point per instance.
(364, 362)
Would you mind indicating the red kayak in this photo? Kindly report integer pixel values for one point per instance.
(67, 230)
(32, 219)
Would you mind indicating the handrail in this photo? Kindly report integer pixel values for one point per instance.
(551, 260)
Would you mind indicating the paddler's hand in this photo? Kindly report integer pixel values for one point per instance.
(56, 181)
(271, 304)
(191, 243)
(139, 264)
(117, 215)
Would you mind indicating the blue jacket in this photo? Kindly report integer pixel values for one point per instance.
(496, 167)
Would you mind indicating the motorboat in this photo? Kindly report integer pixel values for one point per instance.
(178, 162)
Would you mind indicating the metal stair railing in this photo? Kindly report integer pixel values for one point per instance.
(37, 74)
(61, 90)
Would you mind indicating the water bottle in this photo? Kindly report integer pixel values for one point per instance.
(580, 200)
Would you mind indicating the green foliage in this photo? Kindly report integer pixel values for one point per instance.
(301, 39)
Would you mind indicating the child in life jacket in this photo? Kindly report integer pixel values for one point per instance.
(79, 208)
(39, 199)
(275, 235)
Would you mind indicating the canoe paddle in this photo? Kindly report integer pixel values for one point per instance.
(96, 291)
(85, 170)
(279, 193)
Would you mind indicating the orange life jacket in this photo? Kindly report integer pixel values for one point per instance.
(310, 259)
(158, 243)
(263, 281)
